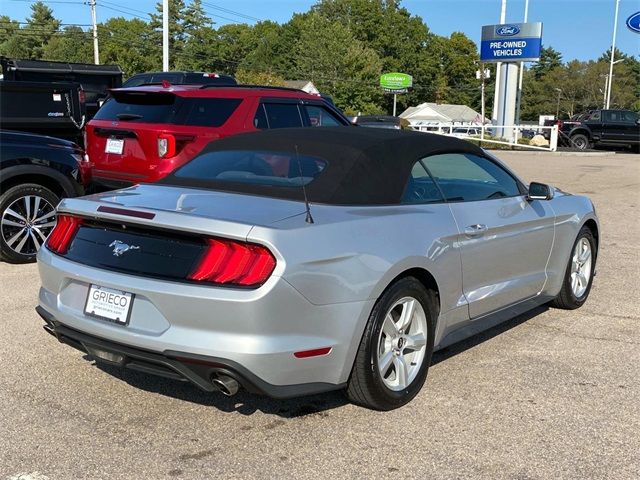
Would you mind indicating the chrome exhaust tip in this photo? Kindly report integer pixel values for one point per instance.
(228, 386)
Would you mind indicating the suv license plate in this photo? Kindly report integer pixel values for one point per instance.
(109, 304)
(114, 145)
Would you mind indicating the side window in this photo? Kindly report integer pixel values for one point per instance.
(209, 112)
(469, 178)
(612, 116)
(260, 119)
(420, 187)
(137, 80)
(628, 116)
(595, 115)
(321, 117)
(283, 115)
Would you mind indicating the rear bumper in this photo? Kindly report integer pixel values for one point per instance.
(182, 366)
(252, 333)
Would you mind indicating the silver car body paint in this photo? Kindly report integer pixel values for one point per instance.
(328, 274)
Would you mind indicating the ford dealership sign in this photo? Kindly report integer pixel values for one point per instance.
(633, 22)
(507, 30)
(515, 42)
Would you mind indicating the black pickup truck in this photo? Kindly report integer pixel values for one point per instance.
(619, 128)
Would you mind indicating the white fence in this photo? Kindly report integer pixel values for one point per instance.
(497, 134)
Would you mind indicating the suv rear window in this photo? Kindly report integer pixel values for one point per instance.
(277, 169)
(143, 107)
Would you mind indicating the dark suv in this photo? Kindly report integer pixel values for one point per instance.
(177, 78)
(35, 172)
(142, 134)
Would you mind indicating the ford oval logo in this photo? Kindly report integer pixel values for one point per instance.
(507, 30)
(633, 22)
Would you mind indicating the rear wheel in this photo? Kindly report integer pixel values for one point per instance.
(27, 216)
(578, 277)
(395, 351)
(580, 141)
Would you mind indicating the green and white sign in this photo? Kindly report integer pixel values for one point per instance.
(396, 82)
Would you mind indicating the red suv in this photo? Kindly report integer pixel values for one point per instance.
(143, 133)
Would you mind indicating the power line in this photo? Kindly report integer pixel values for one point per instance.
(231, 12)
(103, 2)
(122, 11)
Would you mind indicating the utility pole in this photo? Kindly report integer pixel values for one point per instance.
(613, 49)
(165, 35)
(521, 72)
(96, 53)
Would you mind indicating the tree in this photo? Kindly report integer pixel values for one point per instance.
(550, 59)
(71, 45)
(130, 44)
(177, 30)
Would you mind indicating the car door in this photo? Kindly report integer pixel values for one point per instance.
(505, 240)
(278, 113)
(616, 128)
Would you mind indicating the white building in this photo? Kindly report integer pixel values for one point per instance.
(304, 85)
(428, 116)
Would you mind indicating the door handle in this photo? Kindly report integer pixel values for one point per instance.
(475, 230)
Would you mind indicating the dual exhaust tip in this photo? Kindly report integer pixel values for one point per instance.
(227, 385)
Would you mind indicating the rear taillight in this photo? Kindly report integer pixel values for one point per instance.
(560, 124)
(234, 263)
(81, 96)
(166, 145)
(63, 233)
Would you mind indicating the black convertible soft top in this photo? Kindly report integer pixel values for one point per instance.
(364, 166)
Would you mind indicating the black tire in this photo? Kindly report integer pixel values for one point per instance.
(566, 299)
(7, 199)
(366, 387)
(580, 141)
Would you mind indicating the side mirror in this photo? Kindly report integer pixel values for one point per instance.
(540, 191)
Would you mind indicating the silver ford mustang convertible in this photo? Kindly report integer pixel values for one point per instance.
(298, 261)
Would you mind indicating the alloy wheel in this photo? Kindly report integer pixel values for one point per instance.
(581, 267)
(26, 223)
(402, 343)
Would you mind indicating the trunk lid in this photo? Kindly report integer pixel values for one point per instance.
(185, 209)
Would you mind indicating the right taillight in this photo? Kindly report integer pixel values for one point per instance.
(228, 262)
(63, 233)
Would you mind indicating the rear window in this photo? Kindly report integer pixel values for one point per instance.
(277, 169)
(145, 107)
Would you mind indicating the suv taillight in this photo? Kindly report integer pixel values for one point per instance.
(234, 263)
(166, 145)
(63, 233)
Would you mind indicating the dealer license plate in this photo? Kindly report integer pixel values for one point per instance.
(109, 304)
(114, 145)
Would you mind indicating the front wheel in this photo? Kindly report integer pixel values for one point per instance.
(27, 216)
(578, 277)
(395, 351)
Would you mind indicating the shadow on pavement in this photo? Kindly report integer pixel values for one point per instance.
(246, 403)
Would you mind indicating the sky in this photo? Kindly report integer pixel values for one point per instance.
(579, 29)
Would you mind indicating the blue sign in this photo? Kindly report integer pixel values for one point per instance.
(519, 42)
(509, 50)
(507, 30)
(633, 22)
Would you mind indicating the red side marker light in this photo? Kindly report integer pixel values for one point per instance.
(316, 352)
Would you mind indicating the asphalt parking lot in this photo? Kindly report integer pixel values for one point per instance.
(552, 394)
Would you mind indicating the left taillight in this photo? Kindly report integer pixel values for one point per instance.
(65, 230)
(166, 145)
(227, 262)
